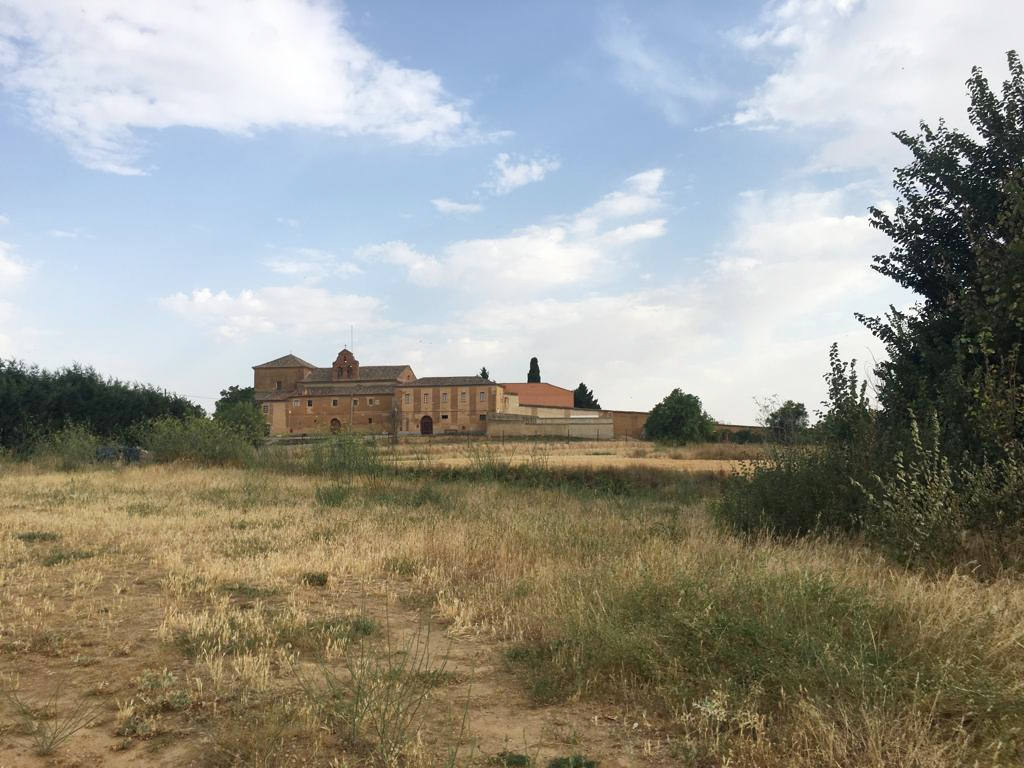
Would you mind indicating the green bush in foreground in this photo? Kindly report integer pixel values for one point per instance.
(69, 448)
(201, 440)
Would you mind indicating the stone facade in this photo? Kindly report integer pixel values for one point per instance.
(447, 405)
(299, 398)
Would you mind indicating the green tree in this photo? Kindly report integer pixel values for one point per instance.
(679, 418)
(245, 419)
(788, 422)
(533, 376)
(958, 243)
(235, 394)
(582, 397)
(35, 403)
(485, 374)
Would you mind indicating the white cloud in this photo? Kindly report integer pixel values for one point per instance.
(311, 264)
(444, 205)
(639, 195)
(294, 310)
(12, 269)
(288, 222)
(95, 74)
(421, 269)
(755, 319)
(13, 273)
(864, 68)
(511, 173)
(537, 258)
(4, 220)
(657, 77)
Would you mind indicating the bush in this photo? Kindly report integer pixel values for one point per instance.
(793, 492)
(245, 419)
(197, 439)
(915, 513)
(679, 418)
(69, 448)
(343, 454)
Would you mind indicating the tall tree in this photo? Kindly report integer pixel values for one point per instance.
(679, 418)
(788, 422)
(582, 397)
(533, 377)
(958, 243)
(234, 394)
(485, 374)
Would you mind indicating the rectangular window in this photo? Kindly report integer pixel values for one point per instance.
(279, 386)
(370, 401)
(309, 403)
(295, 403)
(483, 396)
(483, 417)
(408, 398)
(426, 398)
(355, 401)
(444, 397)
(462, 397)
(444, 416)
(334, 403)
(370, 420)
(266, 409)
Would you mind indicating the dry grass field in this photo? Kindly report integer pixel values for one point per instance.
(170, 615)
(711, 457)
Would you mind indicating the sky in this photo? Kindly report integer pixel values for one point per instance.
(642, 195)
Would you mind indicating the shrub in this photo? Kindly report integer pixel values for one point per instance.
(915, 512)
(69, 448)
(198, 439)
(679, 418)
(343, 454)
(245, 419)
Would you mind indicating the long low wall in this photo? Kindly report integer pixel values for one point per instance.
(628, 424)
(593, 428)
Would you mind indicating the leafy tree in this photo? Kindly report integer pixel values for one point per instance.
(485, 374)
(788, 422)
(35, 403)
(958, 243)
(235, 394)
(533, 377)
(679, 418)
(244, 418)
(582, 397)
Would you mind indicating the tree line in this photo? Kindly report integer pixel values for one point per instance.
(35, 402)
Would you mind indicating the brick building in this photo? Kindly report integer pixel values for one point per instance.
(299, 398)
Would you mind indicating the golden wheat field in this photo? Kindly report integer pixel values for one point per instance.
(170, 615)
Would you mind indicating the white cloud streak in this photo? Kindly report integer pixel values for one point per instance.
(96, 74)
(311, 264)
(12, 269)
(540, 257)
(655, 76)
(297, 310)
(511, 173)
(864, 68)
(446, 206)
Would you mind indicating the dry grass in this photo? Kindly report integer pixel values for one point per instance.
(626, 628)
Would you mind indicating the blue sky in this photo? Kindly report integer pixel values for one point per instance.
(644, 196)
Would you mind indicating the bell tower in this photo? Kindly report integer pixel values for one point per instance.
(345, 367)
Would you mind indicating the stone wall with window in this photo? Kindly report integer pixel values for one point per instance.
(322, 413)
(454, 408)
